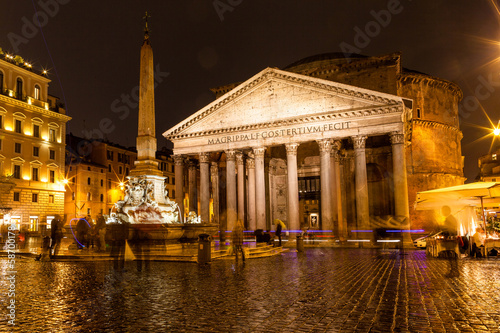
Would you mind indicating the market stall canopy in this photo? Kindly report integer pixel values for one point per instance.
(461, 195)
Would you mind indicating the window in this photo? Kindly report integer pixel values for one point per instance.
(52, 176)
(102, 182)
(88, 211)
(1, 121)
(88, 181)
(37, 92)
(173, 194)
(17, 148)
(89, 196)
(52, 135)
(109, 155)
(36, 151)
(73, 196)
(109, 167)
(18, 126)
(17, 196)
(19, 88)
(102, 197)
(36, 131)
(51, 198)
(126, 171)
(52, 154)
(17, 171)
(120, 170)
(419, 113)
(35, 174)
(34, 197)
(33, 223)
(1, 82)
(109, 184)
(102, 170)
(166, 180)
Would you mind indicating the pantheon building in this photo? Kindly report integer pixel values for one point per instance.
(331, 143)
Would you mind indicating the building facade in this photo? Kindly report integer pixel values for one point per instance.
(489, 167)
(331, 143)
(96, 172)
(32, 142)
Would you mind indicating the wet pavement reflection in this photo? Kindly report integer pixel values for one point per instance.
(320, 290)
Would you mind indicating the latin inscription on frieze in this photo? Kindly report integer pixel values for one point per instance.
(277, 133)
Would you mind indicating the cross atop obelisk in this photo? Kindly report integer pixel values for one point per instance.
(146, 136)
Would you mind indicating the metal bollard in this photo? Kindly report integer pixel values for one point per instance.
(300, 243)
(204, 249)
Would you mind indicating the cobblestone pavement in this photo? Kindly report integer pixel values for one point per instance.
(321, 290)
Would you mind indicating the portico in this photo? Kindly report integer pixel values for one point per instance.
(275, 134)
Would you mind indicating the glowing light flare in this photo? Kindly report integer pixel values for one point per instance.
(26, 178)
(65, 181)
(496, 131)
(8, 128)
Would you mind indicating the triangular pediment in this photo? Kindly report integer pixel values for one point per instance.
(274, 96)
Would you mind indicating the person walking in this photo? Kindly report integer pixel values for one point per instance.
(101, 233)
(279, 229)
(56, 234)
(237, 238)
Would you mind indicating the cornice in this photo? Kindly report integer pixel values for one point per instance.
(290, 77)
(431, 81)
(361, 63)
(33, 108)
(434, 124)
(340, 116)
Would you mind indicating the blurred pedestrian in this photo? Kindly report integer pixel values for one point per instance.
(279, 229)
(101, 232)
(56, 234)
(450, 233)
(237, 238)
(81, 233)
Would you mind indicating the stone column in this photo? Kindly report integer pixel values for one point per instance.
(205, 187)
(251, 194)
(214, 170)
(241, 186)
(361, 183)
(193, 188)
(260, 188)
(402, 209)
(179, 184)
(231, 189)
(293, 186)
(325, 146)
(337, 191)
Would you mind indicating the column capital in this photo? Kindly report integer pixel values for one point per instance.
(250, 163)
(179, 159)
(291, 148)
(191, 164)
(214, 169)
(230, 155)
(359, 141)
(204, 157)
(239, 158)
(325, 145)
(397, 137)
(259, 151)
(336, 145)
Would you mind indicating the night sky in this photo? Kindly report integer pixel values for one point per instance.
(91, 49)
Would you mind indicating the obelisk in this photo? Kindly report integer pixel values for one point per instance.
(146, 165)
(146, 136)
